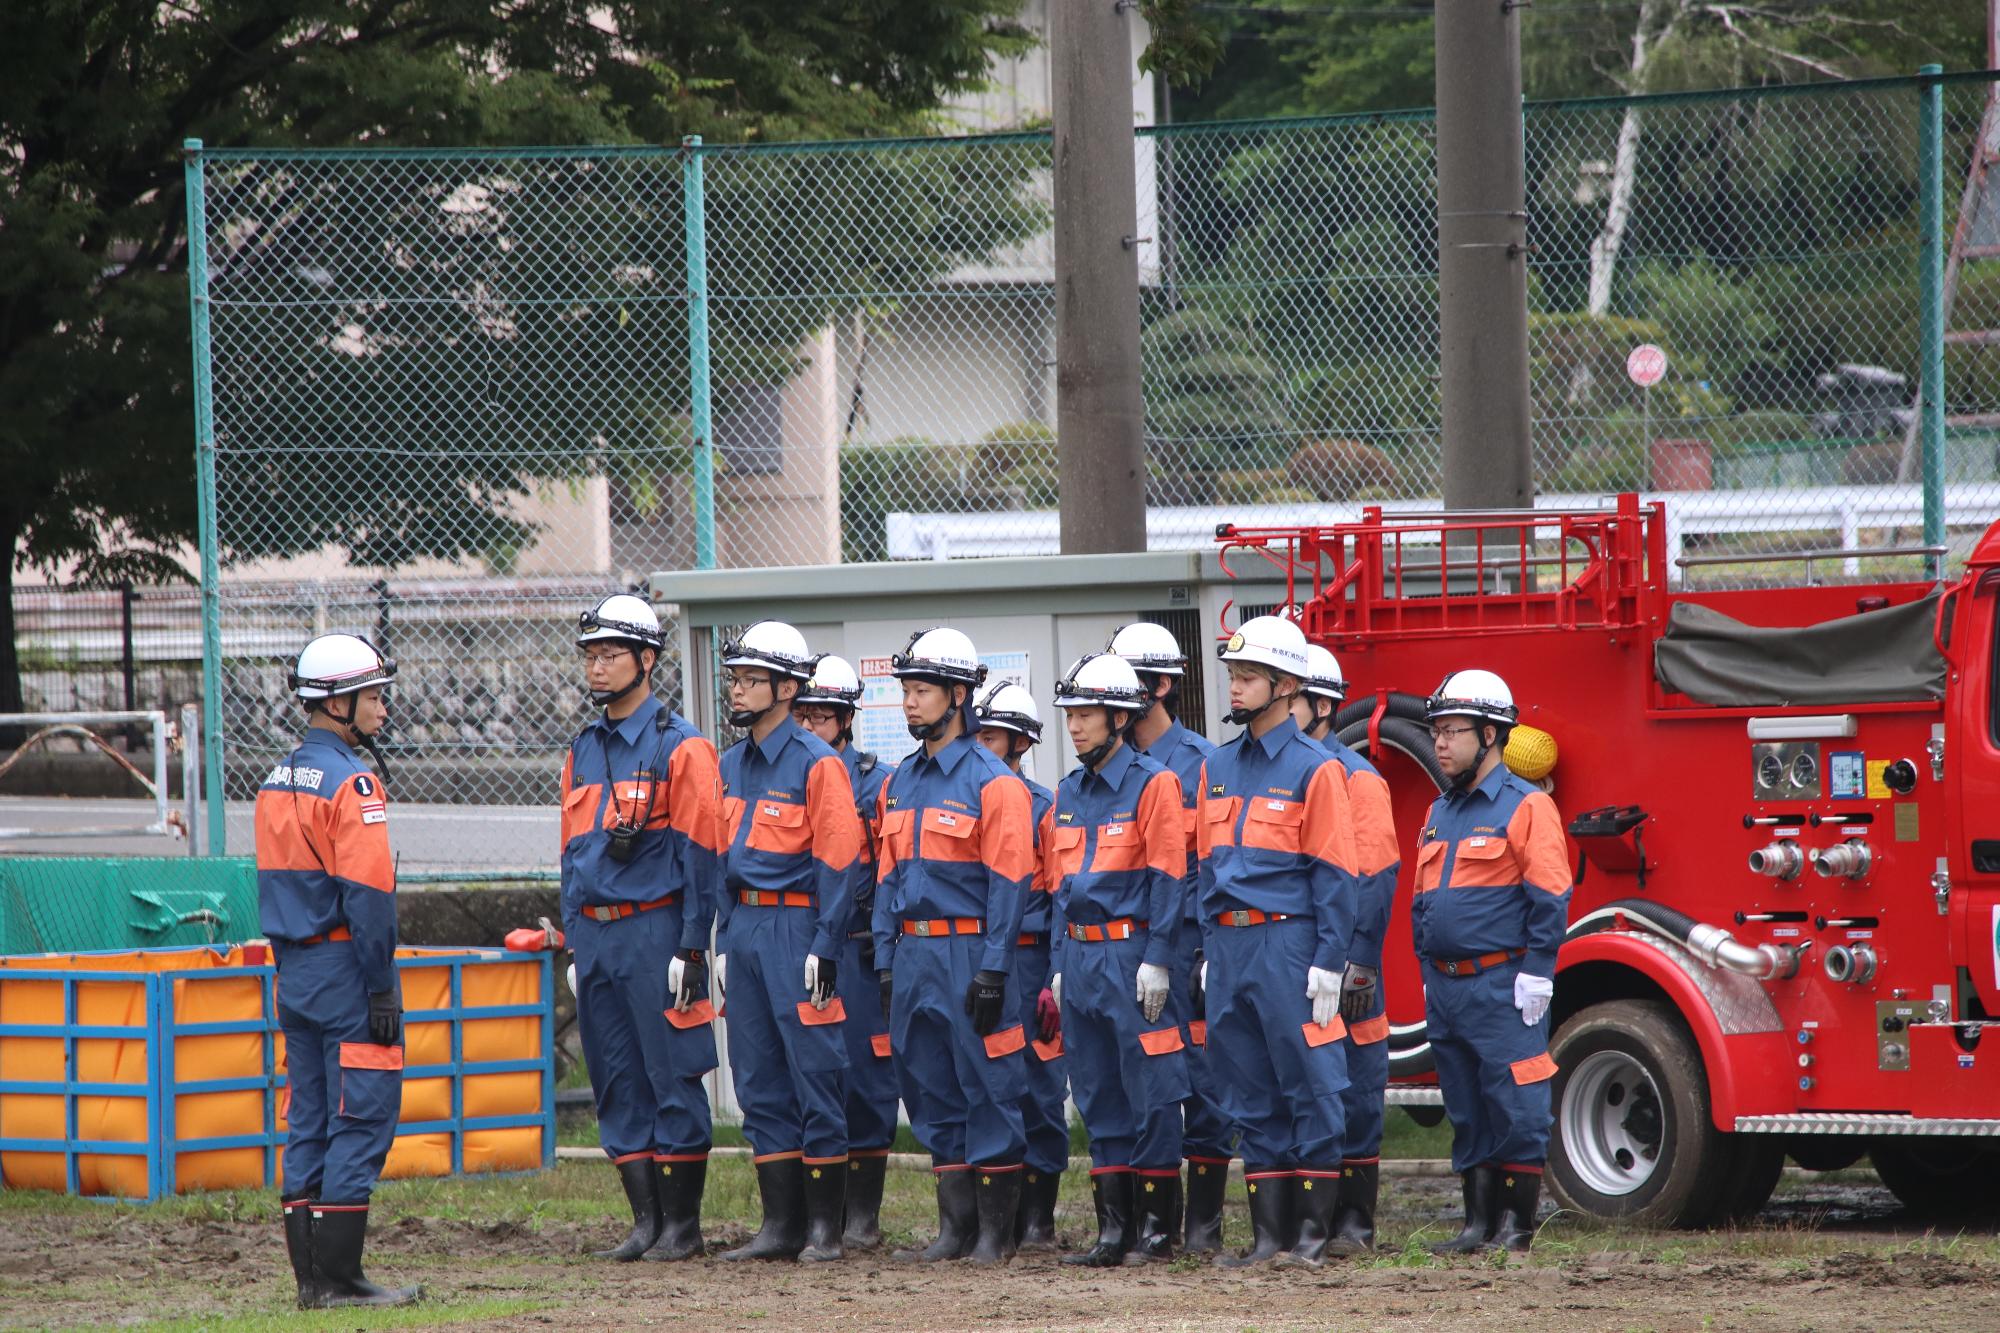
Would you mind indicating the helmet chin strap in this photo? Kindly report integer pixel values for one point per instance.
(1243, 717)
(1097, 754)
(1462, 780)
(606, 698)
(353, 734)
(930, 731)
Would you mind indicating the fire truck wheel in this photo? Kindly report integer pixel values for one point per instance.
(1826, 1152)
(1938, 1177)
(1759, 1161)
(1633, 1139)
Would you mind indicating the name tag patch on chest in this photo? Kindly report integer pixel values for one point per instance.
(374, 814)
(1114, 830)
(774, 812)
(946, 819)
(1477, 842)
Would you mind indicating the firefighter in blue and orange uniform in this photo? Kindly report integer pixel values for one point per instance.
(1115, 843)
(1010, 726)
(641, 830)
(1208, 1140)
(788, 879)
(825, 707)
(1361, 1004)
(1279, 895)
(956, 860)
(1491, 903)
(326, 899)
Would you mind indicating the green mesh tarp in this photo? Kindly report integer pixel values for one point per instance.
(63, 904)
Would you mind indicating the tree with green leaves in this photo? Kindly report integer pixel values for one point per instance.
(96, 97)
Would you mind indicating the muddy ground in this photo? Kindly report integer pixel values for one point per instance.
(1830, 1253)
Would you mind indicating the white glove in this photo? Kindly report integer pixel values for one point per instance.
(1204, 982)
(721, 965)
(676, 973)
(1055, 988)
(569, 975)
(1531, 996)
(812, 984)
(1323, 989)
(1152, 991)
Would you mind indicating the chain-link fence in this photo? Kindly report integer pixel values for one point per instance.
(491, 380)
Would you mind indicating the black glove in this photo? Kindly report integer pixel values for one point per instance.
(1357, 992)
(1197, 997)
(886, 987)
(385, 1018)
(694, 978)
(984, 999)
(822, 990)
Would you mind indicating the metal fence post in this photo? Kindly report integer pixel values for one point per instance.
(204, 456)
(1930, 223)
(700, 426)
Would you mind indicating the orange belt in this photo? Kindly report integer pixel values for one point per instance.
(337, 933)
(1252, 917)
(956, 925)
(772, 898)
(1121, 929)
(1466, 967)
(1029, 939)
(619, 911)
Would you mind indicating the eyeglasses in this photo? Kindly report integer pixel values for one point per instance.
(815, 717)
(1448, 733)
(732, 681)
(603, 656)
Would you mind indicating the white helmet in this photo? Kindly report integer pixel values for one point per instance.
(1324, 678)
(1149, 647)
(1479, 694)
(833, 681)
(1102, 679)
(939, 654)
(336, 664)
(774, 645)
(1010, 708)
(1269, 641)
(620, 618)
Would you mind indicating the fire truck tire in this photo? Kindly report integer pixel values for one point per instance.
(1939, 1177)
(1633, 1139)
(1758, 1161)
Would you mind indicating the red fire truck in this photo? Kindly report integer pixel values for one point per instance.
(1784, 809)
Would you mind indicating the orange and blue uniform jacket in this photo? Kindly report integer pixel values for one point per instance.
(1493, 875)
(323, 860)
(651, 770)
(958, 842)
(1276, 836)
(1377, 856)
(788, 813)
(1115, 847)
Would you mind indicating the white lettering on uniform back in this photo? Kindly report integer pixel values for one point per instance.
(284, 775)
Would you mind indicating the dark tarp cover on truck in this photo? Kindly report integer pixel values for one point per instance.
(1885, 656)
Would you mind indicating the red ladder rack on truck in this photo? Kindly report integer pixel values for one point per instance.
(1785, 831)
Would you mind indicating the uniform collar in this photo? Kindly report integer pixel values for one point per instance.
(1112, 772)
(629, 729)
(949, 758)
(1169, 740)
(1274, 739)
(1491, 787)
(321, 736)
(774, 744)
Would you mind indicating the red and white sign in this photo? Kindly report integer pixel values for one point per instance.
(1646, 364)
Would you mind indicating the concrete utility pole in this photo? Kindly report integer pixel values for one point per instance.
(1100, 446)
(1482, 256)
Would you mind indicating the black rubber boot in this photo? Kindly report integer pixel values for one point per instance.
(299, 1244)
(1478, 1188)
(1271, 1225)
(958, 1220)
(1112, 1192)
(1314, 1198)
(638, 1177)
(1354, 1220)
(1518, 1195)
(864, 1203)
(680, 1185)
(1035, 1223)
(998, 1199)
(781, 1185)
(337, 1236)
(1158, 1201)
(1206, 1184)
(826, 1209)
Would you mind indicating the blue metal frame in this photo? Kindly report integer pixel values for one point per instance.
(162, 1148)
